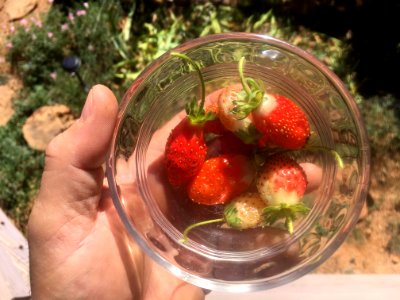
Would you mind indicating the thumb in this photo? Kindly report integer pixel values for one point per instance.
(85, 144)
(73, 171)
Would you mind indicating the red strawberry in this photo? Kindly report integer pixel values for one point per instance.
(215, 127)
(231, 144)
(280, 121)
(228, 143)
(185, 150)
(281, 184)
(220, 179)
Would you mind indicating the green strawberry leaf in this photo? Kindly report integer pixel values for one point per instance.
(196, 113)
(286, 212)
(250, 97)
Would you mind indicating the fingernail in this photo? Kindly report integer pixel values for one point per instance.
(88, 107)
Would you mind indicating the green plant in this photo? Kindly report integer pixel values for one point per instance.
(20, 171)
(163, 29)
(384, 134)
(393, 245)
(38, 49)
(3, 79)
(357, 236)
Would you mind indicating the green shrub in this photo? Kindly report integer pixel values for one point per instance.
(381, 116)
(20, 171)
(39, 48)
(393, 245)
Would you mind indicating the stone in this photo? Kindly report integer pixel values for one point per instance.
(45, 123)
(16, 10)
(6, 109)
(395, 259)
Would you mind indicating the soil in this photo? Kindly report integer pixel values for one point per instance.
(369, 249)
(366, 250)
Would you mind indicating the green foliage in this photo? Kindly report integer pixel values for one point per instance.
(38, 50)
(3, 79)
(357, 237)
(393, 245)
(381, 116)
(20, 171)
(165, 28)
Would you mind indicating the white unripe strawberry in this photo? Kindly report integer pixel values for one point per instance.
(245, 211)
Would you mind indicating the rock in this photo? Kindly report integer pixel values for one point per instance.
(19, 9)
(6, 109)
(45, 123)
(395, 259)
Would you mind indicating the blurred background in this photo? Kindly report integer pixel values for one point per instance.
(51, 52)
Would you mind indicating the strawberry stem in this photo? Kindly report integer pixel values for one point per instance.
(334, 153)
(194, 110)
(330, 151)
(251, 96)
(242, 78)
(185, 238)
(289, 224)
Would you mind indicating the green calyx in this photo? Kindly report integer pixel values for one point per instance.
(286, 212)
(195, 110)
(250, 97)
(230, 215)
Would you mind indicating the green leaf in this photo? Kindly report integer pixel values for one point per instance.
(127, 27)
(285, 212)
(251, 96)
(262, 20)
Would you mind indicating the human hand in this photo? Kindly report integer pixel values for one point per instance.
(78, 249)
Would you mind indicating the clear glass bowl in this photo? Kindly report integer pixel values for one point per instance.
(219, 258)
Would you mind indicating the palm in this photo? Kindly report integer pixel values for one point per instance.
(104, 262)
